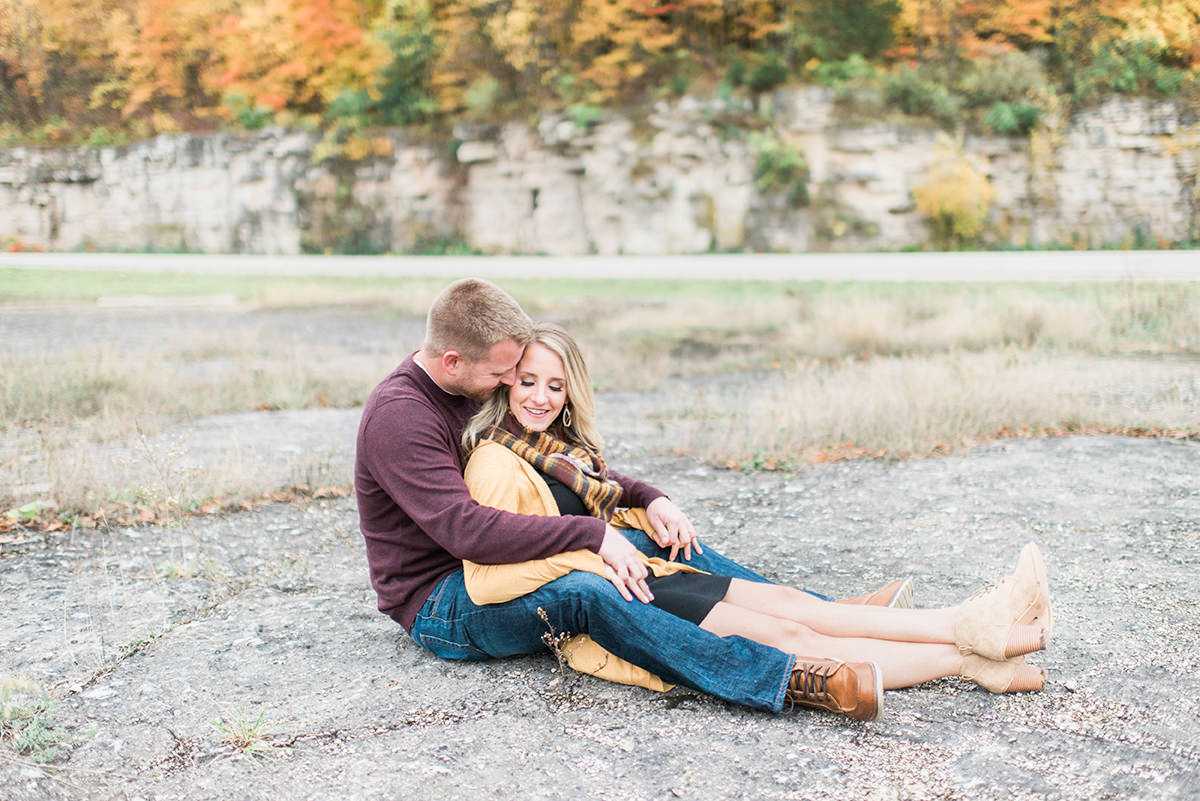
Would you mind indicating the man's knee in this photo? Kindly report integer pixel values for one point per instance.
(582, 586)
(583, 601)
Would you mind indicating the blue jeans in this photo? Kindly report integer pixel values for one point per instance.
(733, 668)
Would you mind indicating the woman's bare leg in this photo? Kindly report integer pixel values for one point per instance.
(843, 620)
(902, 664)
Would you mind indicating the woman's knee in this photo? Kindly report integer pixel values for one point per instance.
(797, 634)
(801, 598)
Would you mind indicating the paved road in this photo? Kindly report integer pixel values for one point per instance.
(1109, 265)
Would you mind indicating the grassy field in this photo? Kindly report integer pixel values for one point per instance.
(762, 374)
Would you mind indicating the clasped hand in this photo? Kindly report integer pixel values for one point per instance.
(625, 565)
(672, 528)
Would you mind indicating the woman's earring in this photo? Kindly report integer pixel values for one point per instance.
(567, 417)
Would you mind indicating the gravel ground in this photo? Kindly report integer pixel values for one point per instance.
(277, 619)
(146, 637)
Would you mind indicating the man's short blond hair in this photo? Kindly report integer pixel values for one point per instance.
(472, 315)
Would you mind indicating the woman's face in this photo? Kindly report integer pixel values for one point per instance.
(540, 390)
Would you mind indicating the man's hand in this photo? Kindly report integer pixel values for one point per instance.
(626, 570)
(672, 529)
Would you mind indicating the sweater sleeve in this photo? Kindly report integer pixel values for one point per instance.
(635, 493)
(414, 459)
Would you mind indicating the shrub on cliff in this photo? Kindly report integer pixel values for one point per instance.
(780, 166)
(956, 198)
(919, 93)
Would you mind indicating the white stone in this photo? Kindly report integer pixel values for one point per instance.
(475, 152)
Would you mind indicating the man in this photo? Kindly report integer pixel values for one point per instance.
(419, 523)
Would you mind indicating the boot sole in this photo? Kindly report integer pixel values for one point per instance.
(878, 692)
(903, 599)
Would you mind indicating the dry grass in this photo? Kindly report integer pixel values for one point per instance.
(821, 371)
(914, 406)
(631, 345)
(193, 376)
(80, 429)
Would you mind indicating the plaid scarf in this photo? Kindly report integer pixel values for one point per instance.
(580, 469)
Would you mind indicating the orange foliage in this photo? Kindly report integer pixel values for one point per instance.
(165, 54)
(296, 54)
(44, 38)
(176, 63)
(610, 46)
(943, 29)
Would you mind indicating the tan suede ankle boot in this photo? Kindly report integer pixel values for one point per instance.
(1010, 619)
(1010, 676)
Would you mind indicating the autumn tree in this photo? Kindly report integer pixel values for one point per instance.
(405, 83)
(167, 60)
(153, 65)
(834, 30)
(297, 54)
(51, 53)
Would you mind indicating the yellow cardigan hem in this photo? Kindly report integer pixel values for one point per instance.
(497, 477)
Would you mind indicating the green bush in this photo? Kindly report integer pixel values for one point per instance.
(482, 96)
(1011, 78)
(768, 73)
(838, 73)
(1127, 68)
(780, 166)
(584, 116)
(404, 84)
(735, 73)
(349, 105)
(833, 29)
(1011, 118)
(797, 196)
(100, 137)
(568, 88)
(247, 117)
(917, 95)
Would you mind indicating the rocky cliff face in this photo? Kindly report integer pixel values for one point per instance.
(682, 180)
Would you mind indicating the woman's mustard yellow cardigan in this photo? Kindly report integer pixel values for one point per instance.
(499, 478)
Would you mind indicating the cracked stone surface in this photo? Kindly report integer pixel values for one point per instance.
(150, 637)
(149, 640)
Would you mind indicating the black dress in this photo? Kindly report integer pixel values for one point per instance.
(690, 596)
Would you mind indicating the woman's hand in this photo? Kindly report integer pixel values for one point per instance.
(625, 566)
(672, 528)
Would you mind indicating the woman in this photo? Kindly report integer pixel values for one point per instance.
(535, 450)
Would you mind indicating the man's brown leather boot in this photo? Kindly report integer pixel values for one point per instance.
(854, 689)
(896, 594)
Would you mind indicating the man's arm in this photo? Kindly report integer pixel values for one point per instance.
(634, 492)
(672, 528)
(413, 458)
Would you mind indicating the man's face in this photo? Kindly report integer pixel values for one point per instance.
(479, 379)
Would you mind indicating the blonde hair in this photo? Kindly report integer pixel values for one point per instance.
(472, 315)
(580, 400)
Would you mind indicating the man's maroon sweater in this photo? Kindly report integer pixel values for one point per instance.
(414, 510)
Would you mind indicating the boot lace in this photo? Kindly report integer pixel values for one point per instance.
(808, 683)
(986, 588)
